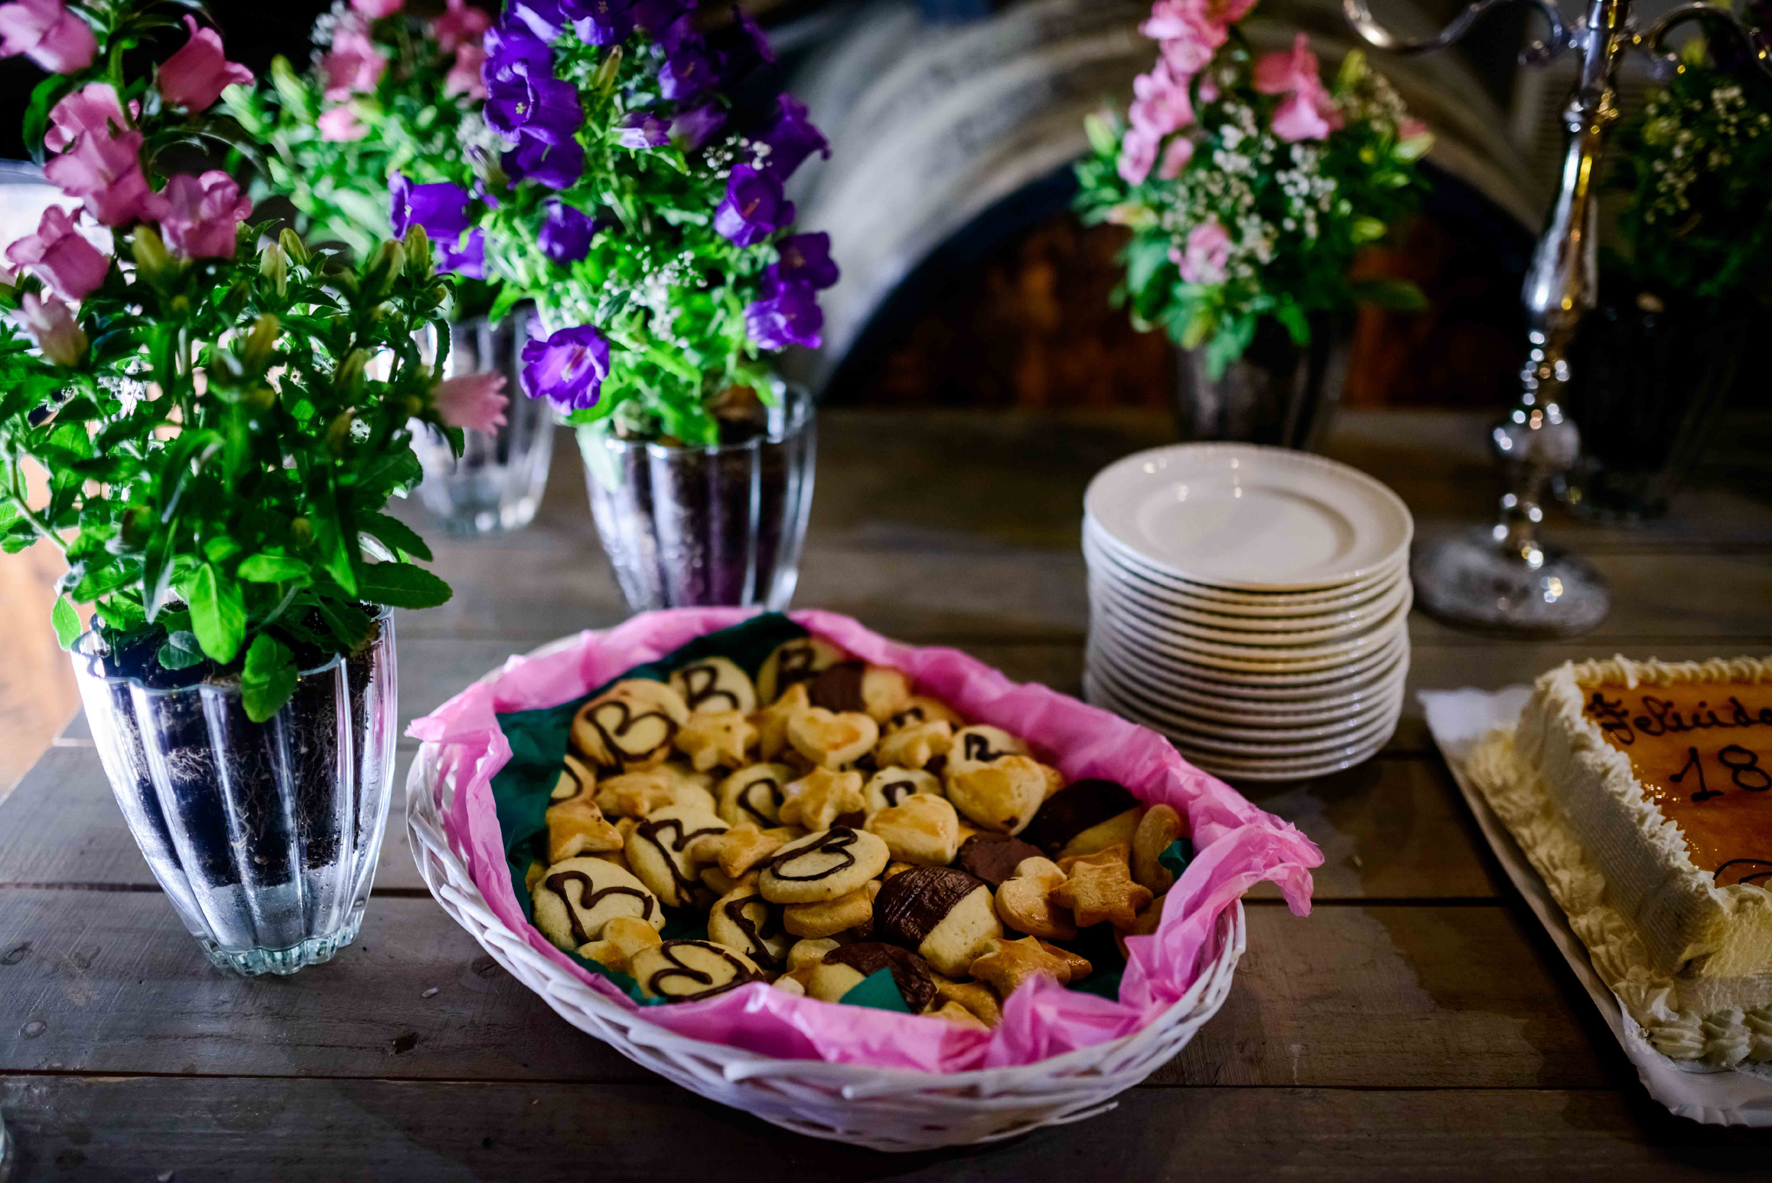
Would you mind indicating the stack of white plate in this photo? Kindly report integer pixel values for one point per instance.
(1249, 603)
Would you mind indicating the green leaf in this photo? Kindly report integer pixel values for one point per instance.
(268, 678)
(269, 568)
(66, 622)
(401, 585)
(1297, 326)
(1399, 295)
(180, 651)
(396, 534)
(218, 613)
(350, 626)
(1144, 258)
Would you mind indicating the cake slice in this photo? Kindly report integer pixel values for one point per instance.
(1642, 793)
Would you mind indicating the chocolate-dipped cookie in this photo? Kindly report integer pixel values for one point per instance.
(822, 866)
(877, 691)
(686, 971)
(1084, 818)
(795, 661)
(576, 898)
(846, 967)
(945, 914)
(994, 857)
(715, 684)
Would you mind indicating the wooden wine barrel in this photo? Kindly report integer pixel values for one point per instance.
(936, 124)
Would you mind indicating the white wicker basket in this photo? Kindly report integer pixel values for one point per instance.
(882, 1108)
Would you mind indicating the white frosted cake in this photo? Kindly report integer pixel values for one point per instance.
(1640, 791)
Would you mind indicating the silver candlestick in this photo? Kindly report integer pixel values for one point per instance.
(1500, 578)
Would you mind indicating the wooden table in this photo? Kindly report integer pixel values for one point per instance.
(1417, 1025)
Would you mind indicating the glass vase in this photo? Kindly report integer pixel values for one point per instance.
(717, 525)
(1277, 393)
(264, 836)
(496, 484)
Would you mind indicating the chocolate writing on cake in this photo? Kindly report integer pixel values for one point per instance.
(1658, 716)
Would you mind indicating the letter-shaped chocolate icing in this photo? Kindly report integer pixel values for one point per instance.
(837, 840)
(677, 969)
(557, 882)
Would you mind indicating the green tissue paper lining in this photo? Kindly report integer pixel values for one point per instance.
(1176, 856)
(523, 789)
(879, 991)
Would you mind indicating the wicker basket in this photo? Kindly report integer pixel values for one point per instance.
(882, 1108)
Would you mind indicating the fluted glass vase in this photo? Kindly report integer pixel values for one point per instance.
(265, 836)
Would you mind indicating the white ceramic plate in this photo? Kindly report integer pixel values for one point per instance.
(1210, 614)
(1226, 707)
(1250, 518)
(1269, 732)
(1268, 686)
(1246, 658)
(1271, 632)
(1099, 544)
(1268, 772)
(1191, 738)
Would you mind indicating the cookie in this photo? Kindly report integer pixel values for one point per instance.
(716, 739)
(636, 794)
(623, 937)
(1002, 795)
(915, 746)
(576, 898)
(993, 857)
(1157, 830)
(745, 921)
(944, 914)
(822, 866)
(738, 849)
(918, 709)
(981, 744)
(821, 797)
(1007, 964)
(754, 794)
(576, 826)
(1146, 924)
(714, 684)
(829, 739)
(843, 969)
(1087, 816)
(808, 953)
(789, 985)
(975, 997)
(1099, 887)
(793, 662)
(924, 830)
(685, 971)
(1024, 902)
(772, 721)
(827, 918)
(959, 1016)
(658, 852)
(629, 726)
(575, 778)
(877, 691)
(890, 786)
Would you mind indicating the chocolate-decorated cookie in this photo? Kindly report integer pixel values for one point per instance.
(658, 851)
(994, 857)
(981, 744)
(714, 684)
(745, 921)
(920, 709)
(754, 795)
(846, 967)
(890, 786)
(685, 971)
(575, 778)
(875, 690)
(1002, 795)
(944, 914)
(795, 661)
(629, 726)
(574, 899)
(822, 866)
(1085, 817)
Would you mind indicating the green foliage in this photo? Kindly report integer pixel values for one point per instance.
(1696, 162)
(1296, 214)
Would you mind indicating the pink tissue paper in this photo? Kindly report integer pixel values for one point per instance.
(1236, 846)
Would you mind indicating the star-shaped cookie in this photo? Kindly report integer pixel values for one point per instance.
(1099, 887)
(1010, 963)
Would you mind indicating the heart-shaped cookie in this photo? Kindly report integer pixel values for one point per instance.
(830, 739)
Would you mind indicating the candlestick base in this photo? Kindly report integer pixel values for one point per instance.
(1468, 580)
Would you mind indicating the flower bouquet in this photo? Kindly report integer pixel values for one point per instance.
(1249, 184)
(644, 214)
(223, 415)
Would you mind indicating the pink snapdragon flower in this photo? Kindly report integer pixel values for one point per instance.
(376, 9)
(462, 24)
(353, 66)
(106, 171)
(464, 77)
(1161, 104)
(1208, 250)
(51, 324)
(47, 33)
(92, 108)
(473, 402)
(63, 259)
(340, 125)
(1187, 31)
(1138, 153)
(199, 71)
(1308, 113)
(1175, 158)
(203, 215)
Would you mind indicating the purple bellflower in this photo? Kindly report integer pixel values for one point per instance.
(787, 314)
(558, 166)
(567, 369)
(566, 233)
(641, 130)
(441, 208)
(805, 259)
(601, 22)
(791, 139)
(753, 208)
